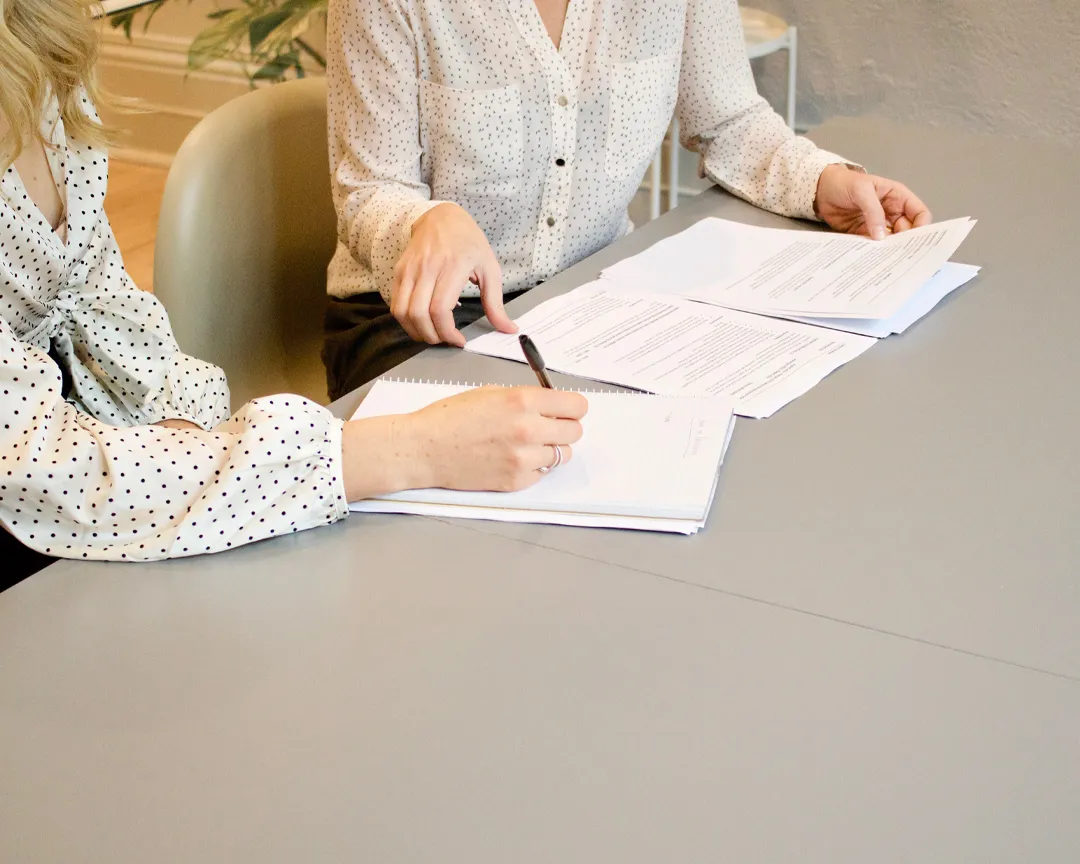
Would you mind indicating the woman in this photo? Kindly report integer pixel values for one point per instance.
(113, 444)
(479, 148)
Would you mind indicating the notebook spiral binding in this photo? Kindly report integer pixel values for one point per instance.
(473, 385)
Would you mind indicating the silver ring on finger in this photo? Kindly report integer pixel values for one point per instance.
(547, 469)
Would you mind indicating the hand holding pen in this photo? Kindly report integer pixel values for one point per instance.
(536, 363)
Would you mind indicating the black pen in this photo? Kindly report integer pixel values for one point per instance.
(535, 361)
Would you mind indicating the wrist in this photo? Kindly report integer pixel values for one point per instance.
(827, 172)
(436, 210)
(831, 170)
(411, 444)
(381, 455)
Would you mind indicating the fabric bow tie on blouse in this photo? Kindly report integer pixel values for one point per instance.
(90, 476)
(89, 329)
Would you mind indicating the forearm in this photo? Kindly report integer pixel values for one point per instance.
(165, 492)
(374, 129)
(376, 222)
(769, 167)
(745, 146)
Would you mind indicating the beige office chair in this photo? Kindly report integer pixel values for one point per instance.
(247, 229)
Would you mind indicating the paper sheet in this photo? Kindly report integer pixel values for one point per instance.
(678, 347)
(944, 282)
(787, 272)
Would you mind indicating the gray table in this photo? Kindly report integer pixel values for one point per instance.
(871, 654)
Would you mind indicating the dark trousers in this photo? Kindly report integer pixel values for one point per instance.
(18, 561)
(362, 340)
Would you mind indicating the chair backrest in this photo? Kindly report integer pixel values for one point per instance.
(246, 232)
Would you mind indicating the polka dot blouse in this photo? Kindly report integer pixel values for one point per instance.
(472, 103)
(88, 362)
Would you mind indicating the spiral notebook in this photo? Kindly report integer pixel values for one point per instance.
(649, 463)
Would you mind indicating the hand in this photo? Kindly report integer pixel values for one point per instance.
(857, 203)
(179, 424)
(447, 249)
(489, 439)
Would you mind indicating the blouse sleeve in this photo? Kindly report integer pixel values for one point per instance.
(745, 146)
(374, 128)
(118, 346)
(74, 487)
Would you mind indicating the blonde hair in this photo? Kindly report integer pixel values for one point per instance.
(47, 45)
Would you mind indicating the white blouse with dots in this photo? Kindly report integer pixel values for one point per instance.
(473, 103)
(88, 361)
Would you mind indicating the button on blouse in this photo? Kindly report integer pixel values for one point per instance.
(545, 147)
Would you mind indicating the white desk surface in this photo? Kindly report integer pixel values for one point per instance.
(871, 654)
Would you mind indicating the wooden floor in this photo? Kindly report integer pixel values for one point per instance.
(132, 205)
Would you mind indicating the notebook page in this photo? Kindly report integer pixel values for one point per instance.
(544, 517)
(640, 456)
(540, 517)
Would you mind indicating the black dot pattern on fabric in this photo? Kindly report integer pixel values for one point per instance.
(85, 474)
(472, 103)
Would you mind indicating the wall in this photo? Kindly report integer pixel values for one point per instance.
(1009, 67)
(153, 68)
(1006, 67)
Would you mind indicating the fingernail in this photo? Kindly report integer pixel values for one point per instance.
(879, 232)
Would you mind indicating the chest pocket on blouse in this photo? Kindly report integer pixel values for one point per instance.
(474, 141)
(642, 101)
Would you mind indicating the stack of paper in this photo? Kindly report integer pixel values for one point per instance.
(950, 277)
(678, 347)
(662, 477)
(781, 272)
(755, 315)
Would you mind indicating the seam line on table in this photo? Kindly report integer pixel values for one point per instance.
(773, 604)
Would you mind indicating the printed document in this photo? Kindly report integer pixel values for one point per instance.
(678, 347)
(944, 282)
(784, 272)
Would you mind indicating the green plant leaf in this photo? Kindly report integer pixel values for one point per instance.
(266, 33)
(311, 52)
(263, 25)
(222, 40)
(295, 21)
(151, 11)
(277, 68)
(123, 21)
(126, 20)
